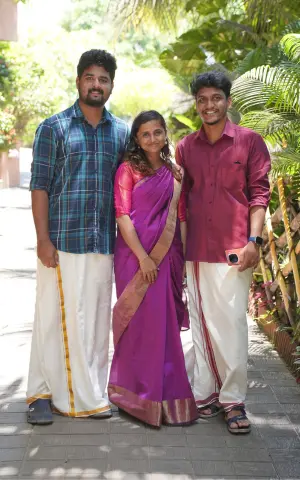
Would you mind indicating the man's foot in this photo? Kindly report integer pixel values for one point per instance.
(237, 421)
(210, 410)
(40, 413)
(100, 415)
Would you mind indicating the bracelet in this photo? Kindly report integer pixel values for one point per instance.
(141, 261)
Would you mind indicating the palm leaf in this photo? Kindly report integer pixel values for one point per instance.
(159, 12)
(270, 87)
(287, 163)
(293, 27)
(263, 55)
(291, 46)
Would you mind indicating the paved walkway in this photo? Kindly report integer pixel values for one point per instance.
(121, 448)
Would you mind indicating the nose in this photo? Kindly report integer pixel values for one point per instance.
(210, 104)
(152, 138)
(96, 83)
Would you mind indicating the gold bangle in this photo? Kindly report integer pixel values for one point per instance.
(141, 261)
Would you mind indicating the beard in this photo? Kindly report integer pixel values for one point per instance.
(93, 102)
(218, 120)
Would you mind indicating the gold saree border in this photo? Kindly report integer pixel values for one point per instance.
(65, 341)
(84, 413)
(134, 293)
(180, 411)
(41, 396)
(171, 412)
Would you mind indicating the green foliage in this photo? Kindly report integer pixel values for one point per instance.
(268, 98)
(27, 92)
(88, 15)
(164, 13)
(141, 89)
(291, 46)
(7, 130)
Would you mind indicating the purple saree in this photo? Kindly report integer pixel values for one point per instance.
(148, 377)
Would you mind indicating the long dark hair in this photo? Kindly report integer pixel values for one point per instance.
(136, 156)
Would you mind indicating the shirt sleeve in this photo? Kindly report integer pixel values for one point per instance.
(259, 164)
(187, 182)
(124, 143)
(123, 190)
(182, 206)
(44, 157)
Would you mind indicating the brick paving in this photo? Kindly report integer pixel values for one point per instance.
(121, 448)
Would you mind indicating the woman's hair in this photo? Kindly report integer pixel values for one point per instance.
(136, 156)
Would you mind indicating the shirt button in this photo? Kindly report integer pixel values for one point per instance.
(211, 184)
(210, 203)
(209, 219)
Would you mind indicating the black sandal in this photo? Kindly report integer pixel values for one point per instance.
(213, 407)
(39, 412)
(237, 418)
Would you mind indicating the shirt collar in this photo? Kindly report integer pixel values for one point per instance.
(229, 131)
(77, 113)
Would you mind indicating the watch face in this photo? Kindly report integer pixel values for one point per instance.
(259, 240)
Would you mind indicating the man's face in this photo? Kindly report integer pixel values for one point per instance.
(212, 105)
(94, 86)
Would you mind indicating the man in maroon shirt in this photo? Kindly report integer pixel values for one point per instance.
(226, 181)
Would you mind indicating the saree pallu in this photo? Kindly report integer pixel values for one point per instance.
(148, 378)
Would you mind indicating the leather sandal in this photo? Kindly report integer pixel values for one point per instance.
(214, 408)
(235, 419)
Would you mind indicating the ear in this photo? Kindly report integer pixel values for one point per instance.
(229, 102)
(77, 82)
(112, 86)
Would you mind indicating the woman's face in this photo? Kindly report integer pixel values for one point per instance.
(151, 136)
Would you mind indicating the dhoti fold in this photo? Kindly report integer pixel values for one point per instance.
(69, 352)
(218, 298)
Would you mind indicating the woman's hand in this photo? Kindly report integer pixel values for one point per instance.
(149, 269)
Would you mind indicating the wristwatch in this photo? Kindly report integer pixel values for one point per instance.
(257, 240)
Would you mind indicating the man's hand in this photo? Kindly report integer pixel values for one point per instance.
(249, 256)
(47, 253)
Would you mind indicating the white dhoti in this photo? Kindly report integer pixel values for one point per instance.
(218, 298)
(69, 352)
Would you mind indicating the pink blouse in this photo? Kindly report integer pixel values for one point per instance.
(126, 178)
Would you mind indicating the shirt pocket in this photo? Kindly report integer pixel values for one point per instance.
(233, 175)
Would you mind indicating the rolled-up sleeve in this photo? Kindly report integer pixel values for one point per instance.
(259, 165)
(123, 190)
(44, 157)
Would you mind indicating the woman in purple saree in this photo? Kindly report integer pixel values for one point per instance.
(148, 378)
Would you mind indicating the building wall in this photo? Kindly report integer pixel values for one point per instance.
(8, 20)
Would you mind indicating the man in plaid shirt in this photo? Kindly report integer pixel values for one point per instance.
(75, 156)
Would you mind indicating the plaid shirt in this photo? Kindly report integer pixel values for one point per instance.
(76, 163)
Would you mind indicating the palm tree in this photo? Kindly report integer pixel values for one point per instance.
(162, 13)
(268, 97)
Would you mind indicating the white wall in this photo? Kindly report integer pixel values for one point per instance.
(8, 20)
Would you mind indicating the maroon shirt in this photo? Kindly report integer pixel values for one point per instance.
(222, 182)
